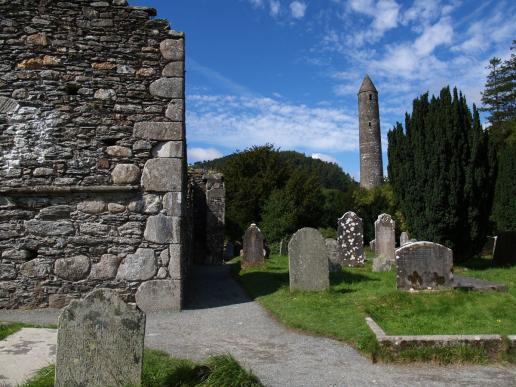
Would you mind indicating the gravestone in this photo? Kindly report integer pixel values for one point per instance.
(253, 247)
(385, 243)
(229, 251)
(100, 342)
(308, 261)
(404, 238)
(284, 247)
(350, 240)
(372, 246)
(335, 265)
(424, 266)
(504, 251)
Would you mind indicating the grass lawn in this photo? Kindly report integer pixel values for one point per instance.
(161, 370)
(358, 292)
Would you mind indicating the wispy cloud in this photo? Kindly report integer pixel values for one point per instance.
(298, 9)
(218, 79)
(203, 154)
(238, 122)
(324, 157)
(384, 15)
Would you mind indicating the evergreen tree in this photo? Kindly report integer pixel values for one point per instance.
(504, 207)
(295, 206)
(440, 173)
(250, 178)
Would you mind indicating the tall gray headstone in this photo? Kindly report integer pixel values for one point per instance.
(350, 240)
(100, 342)
(424, 266)
(253, 247)
(404, 238)
(335, 265)
(308, 261)
(385, 243)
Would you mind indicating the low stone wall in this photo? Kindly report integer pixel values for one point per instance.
(92, 153)
(493, 344)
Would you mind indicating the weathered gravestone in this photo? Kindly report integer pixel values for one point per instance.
(385, 243)
(283, 247)
(334, 263)
(504, 251)
(229, 250)
(308, 261)
(253, 247)
(350, 240)
(424, 266)
(372, 245)
(404, 238)
(100, 342)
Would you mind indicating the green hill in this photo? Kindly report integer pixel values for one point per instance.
(282, 191)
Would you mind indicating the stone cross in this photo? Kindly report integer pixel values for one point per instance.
(424, 266)
(100, 342)
(385, 243)
(404, 238)
(350, 240)
(253, 247)
(308, 261)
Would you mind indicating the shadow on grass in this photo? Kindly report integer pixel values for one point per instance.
(348, 277)
(260, 283)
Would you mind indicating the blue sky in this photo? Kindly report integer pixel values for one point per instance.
(287, 72)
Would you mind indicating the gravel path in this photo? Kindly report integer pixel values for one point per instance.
(221, 319)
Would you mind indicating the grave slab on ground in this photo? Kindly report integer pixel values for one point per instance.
(25, 352)
(469, 283)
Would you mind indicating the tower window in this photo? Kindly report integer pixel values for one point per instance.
(369, 123)
(370, 97)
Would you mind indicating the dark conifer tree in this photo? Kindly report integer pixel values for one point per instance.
(440, 174)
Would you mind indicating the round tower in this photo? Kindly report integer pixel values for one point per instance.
(371, 166)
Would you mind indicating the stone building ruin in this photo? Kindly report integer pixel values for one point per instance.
(92, 154)
(206, 201)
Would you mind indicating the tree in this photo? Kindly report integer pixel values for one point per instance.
(368, 204)
(250, 177)
(499, 99)
(440, 172)
(504, 207)
(295, 206)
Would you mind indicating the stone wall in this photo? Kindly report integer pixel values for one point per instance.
(207, 203)
(92, 153)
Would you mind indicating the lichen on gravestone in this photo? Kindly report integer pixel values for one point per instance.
(100, 342)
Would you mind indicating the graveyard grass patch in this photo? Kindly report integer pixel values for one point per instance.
(358, 292)
(161, 370)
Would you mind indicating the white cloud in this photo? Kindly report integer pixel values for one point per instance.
(298, 9)
(274, 7)
(434, 36)
(203, 154)
(239, 122)
(323, 157)
(256, 3)
(385, 14)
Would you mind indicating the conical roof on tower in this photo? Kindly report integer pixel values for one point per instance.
(367, 85)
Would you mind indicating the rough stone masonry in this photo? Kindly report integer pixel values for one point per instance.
(92, 153)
